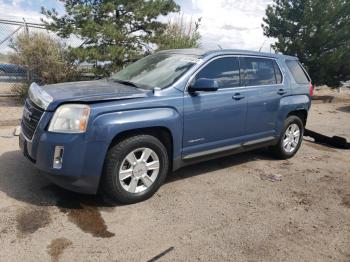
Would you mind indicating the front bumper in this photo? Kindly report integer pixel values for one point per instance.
(82, 163)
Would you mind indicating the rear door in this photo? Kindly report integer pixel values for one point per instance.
(215, 119)
(264, 88)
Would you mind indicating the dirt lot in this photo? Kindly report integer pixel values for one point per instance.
(222, 210)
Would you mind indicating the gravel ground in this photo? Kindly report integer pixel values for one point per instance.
(230, 209)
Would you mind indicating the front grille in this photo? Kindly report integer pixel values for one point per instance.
(30, 119)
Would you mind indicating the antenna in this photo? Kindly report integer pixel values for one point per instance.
(262, 45)
(220, 46)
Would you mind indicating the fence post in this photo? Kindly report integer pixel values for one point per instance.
(26, 30)
(26, 27)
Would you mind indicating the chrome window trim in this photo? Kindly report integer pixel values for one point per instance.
(238, 56)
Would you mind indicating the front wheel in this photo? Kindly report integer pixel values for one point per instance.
(291, 138)
(134, 169)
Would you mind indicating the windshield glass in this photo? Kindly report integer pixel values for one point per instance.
(157, 70)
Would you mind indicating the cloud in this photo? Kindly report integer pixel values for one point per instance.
(15, 11)
(16, 3)
(230, 23)
(238, 28)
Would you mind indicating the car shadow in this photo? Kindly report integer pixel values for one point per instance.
(20, 180)
(324, 99)
(345, 109)
(220, 163)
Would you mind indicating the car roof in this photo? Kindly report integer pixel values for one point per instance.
(212, 52)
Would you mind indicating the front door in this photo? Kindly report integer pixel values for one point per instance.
(215, 119)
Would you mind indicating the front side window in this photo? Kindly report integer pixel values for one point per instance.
(224, 70)
(258, 71)
(157, 70)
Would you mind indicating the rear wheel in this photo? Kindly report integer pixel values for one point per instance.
(134, 169)
(291, 138)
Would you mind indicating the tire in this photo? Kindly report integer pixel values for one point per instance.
(118, 164)
(280, 150)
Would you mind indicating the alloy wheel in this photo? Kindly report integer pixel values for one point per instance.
(291, 138)
(139, 170)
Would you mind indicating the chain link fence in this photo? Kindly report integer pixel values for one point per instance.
(12, 74)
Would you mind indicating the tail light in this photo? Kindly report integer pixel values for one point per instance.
(311, 89)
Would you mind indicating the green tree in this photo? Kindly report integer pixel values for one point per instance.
(316, 31)
(179, 34)
(112, 30)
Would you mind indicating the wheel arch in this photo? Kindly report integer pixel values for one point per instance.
(162, 133)
(301, 113)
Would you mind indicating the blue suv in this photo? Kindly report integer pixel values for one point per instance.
(122, 135)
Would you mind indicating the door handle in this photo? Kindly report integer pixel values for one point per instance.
(281, 92)
(237, 96)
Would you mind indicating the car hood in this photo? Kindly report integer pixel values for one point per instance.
(90, 91)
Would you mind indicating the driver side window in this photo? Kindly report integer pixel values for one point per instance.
(224, 70)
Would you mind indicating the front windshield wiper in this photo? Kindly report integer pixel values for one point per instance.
(126, 82)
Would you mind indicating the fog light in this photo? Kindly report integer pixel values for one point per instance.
(58, 157)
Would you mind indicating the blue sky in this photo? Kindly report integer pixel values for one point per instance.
(228, 23)
(34, 4)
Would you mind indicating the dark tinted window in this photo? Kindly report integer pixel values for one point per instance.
(258, 71)
(297, 71)
(278, 73)
(224, 70)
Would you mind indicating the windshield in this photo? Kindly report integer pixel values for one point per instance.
(157, 70)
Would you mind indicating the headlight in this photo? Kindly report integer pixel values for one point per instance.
(70, 118)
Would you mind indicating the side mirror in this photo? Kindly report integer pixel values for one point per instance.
(203, 84)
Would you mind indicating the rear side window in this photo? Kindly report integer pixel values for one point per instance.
(224, 70)
(258, 71)
(279, 77)
(297, 71)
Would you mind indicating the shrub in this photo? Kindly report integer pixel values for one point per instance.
(45, 59)
(21, 90)
(180, 33)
